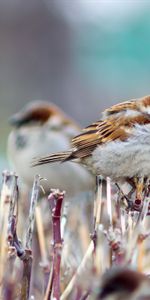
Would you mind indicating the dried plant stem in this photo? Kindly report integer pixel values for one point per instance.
(97, 202)
(97, 210)
(44, 260)
(41, 237)
(8, 201)
(80, 271)
(64, 217)
(27, 258)
(50, 284)
(27, 266)
(84, 236)
(109, 204)
(4, 212)
(10, 286)
(34, 198)
(3, 247)
(92, 246)
(141, 252)
(55, 202)
(5, 194)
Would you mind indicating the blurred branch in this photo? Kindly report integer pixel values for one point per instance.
(9, 198)
(80, 272)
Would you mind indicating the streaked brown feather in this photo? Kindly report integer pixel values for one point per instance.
(61, 156)
(41, 112)
(105, 131)
(114, 127)
(133, 104)
(146, 100)
(120, 107)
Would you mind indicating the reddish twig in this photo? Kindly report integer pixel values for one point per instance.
(55, 202)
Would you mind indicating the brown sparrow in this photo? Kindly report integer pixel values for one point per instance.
(124, 283)
(118, 146)
(38, 128)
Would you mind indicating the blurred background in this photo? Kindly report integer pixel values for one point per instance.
(83, 55)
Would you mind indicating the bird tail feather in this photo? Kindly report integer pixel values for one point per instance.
(52, 158)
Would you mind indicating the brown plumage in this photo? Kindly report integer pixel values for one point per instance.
(112, 128)
(123, 283)
(39, 111)
(38, 128)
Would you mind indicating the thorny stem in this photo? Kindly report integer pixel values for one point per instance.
(55, 202)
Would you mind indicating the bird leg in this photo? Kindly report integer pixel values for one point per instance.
(139, 185)
(126, 197)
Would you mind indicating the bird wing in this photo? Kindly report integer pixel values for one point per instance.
(121, 107)
(98, 133)
(102, 132)
(132, 105)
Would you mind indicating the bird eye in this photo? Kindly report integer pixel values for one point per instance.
(21, 141)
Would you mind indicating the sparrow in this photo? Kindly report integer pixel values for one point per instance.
(124, 283)
(38, 128)
(116, 146)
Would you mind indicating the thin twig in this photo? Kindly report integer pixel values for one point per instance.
(109, 203)
(97, 209)
(50, 284)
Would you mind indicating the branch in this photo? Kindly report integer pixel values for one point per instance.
(9, 197)
(34, 198)
(55, 202)
(27, 255)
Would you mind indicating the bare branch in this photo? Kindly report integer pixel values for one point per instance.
(55, 202)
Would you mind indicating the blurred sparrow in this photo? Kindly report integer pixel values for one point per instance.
(118, 146)
(39, 128)
(124, 283)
